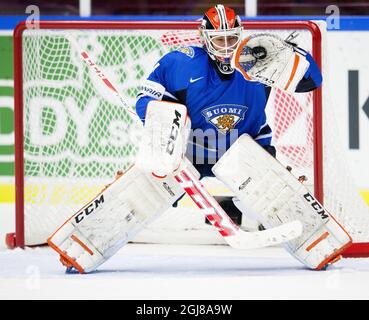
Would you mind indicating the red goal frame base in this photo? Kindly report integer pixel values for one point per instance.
(356, 250)
(11, 240)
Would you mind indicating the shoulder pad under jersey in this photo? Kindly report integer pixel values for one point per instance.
(188, 51)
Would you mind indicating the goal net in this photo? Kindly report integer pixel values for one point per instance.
(72, 136)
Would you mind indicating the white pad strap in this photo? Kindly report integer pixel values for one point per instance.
(164, 138)
(265, 187)
(114, 217)
(268, 59)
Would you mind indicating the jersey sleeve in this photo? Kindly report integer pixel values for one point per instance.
(264, 136)
(312, 78)
(160, 84)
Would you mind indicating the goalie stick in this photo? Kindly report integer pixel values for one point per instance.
(231, 233)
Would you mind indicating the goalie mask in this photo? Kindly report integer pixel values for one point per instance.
(220, 32)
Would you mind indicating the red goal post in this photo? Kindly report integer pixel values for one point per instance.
(169, 33)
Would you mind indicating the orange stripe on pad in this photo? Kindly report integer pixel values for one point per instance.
(73, 237)
(294, 68)
(67, 259)
(334, 256)
(321, 238)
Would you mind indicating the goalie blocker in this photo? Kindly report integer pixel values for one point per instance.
(267, 188)
(164, 139)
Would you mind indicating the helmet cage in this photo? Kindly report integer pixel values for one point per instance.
(221, 43)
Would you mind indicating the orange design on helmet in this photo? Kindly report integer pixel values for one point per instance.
(220, 18)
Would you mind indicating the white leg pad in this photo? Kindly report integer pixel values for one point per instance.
(114, 217)
(268, 189)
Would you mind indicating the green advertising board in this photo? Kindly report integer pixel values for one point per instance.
(6, 118)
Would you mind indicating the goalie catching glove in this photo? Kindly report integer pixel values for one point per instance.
(269, 59)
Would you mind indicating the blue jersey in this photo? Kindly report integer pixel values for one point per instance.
(220, 106)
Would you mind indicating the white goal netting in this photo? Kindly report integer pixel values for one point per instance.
(76, 135)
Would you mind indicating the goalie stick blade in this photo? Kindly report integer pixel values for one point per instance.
(220, 220)
(265, 238)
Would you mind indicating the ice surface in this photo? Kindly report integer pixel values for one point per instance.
(142, 271)
(180, 272)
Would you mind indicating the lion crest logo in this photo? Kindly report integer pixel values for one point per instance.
(225, 122)
(188, 51)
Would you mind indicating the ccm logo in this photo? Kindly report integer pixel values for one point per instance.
(244, 184)
(268, 81)
(316, 206)
(169, 190)
(174, 133)
(89, 209)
